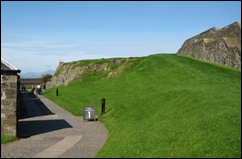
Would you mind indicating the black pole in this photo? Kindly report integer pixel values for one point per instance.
(56, 91)
(103, 105)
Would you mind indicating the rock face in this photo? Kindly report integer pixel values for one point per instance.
(67, 72)
(222, 46)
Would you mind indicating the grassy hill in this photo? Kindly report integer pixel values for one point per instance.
(163, 105)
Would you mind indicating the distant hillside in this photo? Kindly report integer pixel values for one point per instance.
(36, 74)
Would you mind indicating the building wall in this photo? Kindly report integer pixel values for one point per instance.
(9, 103)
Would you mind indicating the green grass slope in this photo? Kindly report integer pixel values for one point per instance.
(164, 105)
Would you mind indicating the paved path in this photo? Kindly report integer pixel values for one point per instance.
(49, 131)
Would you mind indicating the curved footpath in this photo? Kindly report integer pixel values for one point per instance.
(48, 131)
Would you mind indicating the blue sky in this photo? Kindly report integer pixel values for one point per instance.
(37, 35)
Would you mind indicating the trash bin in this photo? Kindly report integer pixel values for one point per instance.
(89, 113)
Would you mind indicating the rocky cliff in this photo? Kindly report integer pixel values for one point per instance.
(222, 46)
(67, 72)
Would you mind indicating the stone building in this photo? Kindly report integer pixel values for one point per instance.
(222, 46)
(10, 87)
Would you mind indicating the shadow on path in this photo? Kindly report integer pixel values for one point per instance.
(30, 128)
(31, 106)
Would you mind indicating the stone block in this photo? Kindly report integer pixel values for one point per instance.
(6, 102)
(13, 85)
(3, 116)
(8, 78)
(11, 93)
(4, 85)
(3, 96)
(11, 117)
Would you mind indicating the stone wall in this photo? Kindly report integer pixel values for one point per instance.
(9, 103)
(30, 81)
(222, 46)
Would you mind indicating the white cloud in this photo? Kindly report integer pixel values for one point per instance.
(38, 55)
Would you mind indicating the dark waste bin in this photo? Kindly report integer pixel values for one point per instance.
(103, 105)
(89, 113)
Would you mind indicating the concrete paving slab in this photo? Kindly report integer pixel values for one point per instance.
(59, 148)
